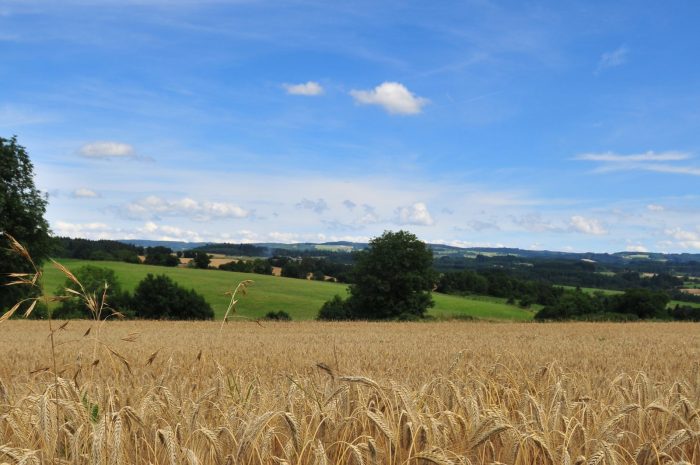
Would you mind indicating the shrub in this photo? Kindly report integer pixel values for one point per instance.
(280, 316)
(335, 309)
(159, 297)
(686, 313)
(95, 280)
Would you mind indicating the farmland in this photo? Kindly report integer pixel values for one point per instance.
(357, 393)
(593, 290)
(300, 298)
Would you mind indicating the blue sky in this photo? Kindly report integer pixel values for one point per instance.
(567, 125)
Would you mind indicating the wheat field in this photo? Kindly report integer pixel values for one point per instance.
(349, 393)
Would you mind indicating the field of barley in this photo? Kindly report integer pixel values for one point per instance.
(349, 393)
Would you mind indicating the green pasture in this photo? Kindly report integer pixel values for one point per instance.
(300, 298)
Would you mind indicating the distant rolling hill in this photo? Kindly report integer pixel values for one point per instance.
(440, 250)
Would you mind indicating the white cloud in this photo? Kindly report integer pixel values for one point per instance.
(84, 193)
(659, 162)
(394, 97)
(107, 150)
(150, 227)
(310, 88)
(318, 206)
(670, 169)
(655, 208)
(614, 58)
(685, 239)
(587, 225)
(153, 206)
(82, 230)
(468, 244)
(416, 214)
(639, 157)
(636, 248)
(683, 235)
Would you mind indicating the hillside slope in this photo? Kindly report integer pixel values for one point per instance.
(300, 298)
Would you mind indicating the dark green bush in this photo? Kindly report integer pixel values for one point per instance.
(160, 298)
(280, 316)
(335, 309)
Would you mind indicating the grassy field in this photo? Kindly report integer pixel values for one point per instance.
(310, 393)
(300, 298)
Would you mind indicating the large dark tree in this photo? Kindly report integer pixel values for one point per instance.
(392, 279)
(22, 209)
(201, 260)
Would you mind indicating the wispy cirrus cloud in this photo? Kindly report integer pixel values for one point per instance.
(613, 58)
(394, 97)
(639, 157)
(659, 162)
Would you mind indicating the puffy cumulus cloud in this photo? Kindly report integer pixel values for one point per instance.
(683, 238)
(318, 206)
(84, 193)
(153, 207)
(171, 233)
(394, 97)
(636, 248)
(107, 150)
(310, 88)
(612, 59)
(655, 208)
(683, 235)
(416, 214)
(83, 230)
(349, 204)
(586, 226)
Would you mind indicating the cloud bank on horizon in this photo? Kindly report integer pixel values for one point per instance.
(471, 124)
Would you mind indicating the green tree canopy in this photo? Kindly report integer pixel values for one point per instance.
(392, 278)
(22, 209)
(201, 260)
